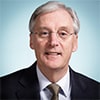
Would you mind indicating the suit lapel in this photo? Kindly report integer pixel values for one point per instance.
(29, 85)
(78, 87)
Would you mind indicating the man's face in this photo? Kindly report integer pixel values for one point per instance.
(50, 40)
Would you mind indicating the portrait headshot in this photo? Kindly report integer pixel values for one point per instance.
(49, 50)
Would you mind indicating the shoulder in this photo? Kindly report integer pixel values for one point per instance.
(85, 79)
(13, 76)
(87, 87)
(23, 84)
(12, 79)
(75, 74)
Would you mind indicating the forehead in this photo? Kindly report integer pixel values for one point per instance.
(54, 19)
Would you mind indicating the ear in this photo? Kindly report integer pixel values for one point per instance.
(75, 43)
(31, 40)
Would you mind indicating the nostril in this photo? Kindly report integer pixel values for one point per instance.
(53, 43)
(53, 40)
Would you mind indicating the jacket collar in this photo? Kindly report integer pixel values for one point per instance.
(78, 86)
(29, 85)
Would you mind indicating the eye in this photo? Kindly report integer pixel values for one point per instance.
(63, 34)
(43, 34)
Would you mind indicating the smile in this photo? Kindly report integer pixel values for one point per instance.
(53, 53)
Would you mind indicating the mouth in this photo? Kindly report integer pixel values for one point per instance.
(53, 53)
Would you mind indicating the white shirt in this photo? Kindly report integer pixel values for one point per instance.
(64, 83)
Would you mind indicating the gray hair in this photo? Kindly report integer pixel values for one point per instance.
(51, 6)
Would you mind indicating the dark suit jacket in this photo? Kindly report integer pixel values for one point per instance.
(24, 85)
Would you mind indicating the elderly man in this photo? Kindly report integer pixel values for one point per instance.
(53, 36)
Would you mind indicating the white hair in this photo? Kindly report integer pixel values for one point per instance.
(51, 6)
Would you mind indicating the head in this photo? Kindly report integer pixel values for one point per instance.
(53, 35)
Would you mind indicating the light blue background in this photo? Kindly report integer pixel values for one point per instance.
(15, 53)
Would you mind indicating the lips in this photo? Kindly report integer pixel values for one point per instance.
(53, 53)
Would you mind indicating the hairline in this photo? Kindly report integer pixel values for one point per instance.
(56, 6)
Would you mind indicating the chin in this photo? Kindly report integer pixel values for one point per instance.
(53, 65)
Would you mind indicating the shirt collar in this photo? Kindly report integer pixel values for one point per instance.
(64, 83)
(43, 81)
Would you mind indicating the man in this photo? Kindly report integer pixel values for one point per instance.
(53, 35)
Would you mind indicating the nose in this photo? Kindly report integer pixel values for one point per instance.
(53, 40)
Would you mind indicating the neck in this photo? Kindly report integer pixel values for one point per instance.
(54, 75)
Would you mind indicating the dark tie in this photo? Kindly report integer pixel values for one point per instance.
(54, 88)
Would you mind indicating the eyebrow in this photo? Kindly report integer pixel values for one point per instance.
(65, 28)
(46, 28)
(60, 28)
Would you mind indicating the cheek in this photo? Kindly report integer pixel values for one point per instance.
(39, 50)
(68, 46)
(68, 51)
(39, 46)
